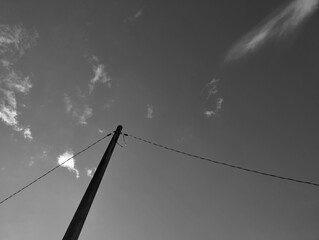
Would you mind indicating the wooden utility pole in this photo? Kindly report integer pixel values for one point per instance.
(75, 227)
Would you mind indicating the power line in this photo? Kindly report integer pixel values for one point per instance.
(51, 170)
(167, 148)
(223, 163)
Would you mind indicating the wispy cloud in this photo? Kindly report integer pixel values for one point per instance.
(209, 113)
(68, 103)
(42, 155)
(8, 105)
(150, 111)
(70, 164)
(214, 112)
(14, 41)
(27, 133)
(213, 97)
(100, 75)
(137, 15)
(90, 172)
(81, 113)
(15, 81)
(84, 115)
(277, 25)
(211, 87)
(31, 163)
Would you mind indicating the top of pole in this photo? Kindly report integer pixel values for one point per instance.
(119, 128)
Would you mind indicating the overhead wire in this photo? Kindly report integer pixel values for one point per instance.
(51, 170)
(166, 148)
(223, 163)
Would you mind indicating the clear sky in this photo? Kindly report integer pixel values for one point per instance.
(234, 81)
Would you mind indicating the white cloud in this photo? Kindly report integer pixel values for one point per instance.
(137, 15)
(209, 113)
(40, 155)
(27, 134)
(14, 41)
(94, 59)
(132, 18)
(9, 116)
(150, 111)
(280, 23)
(84, 115)
(215, 111)
(90, 172)
(212, 87)
(16, 82)
(100, 75)
(5, 63)
(81, 113)
(70, 164)
(219, 103)
(8, 106)
(214, 98)
(68, 103)
(44, 154)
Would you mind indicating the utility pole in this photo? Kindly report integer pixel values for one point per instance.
(75, 227)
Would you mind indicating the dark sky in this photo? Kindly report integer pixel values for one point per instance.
(234, 81)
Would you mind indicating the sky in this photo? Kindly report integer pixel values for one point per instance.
(233, 81)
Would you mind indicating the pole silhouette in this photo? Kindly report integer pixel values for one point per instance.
(77, 222)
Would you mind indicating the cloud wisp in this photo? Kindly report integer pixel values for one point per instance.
(27, 133)
(14, 41)
(70, 164)
(214, 112)
(212, 95)
(90, 172)
(277, 25)
(137, 15)
(150, 111)
(78, 107)
(81, 113)
(100, 75)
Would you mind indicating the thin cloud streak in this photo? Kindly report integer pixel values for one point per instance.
(137, 15)
(277, 25)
